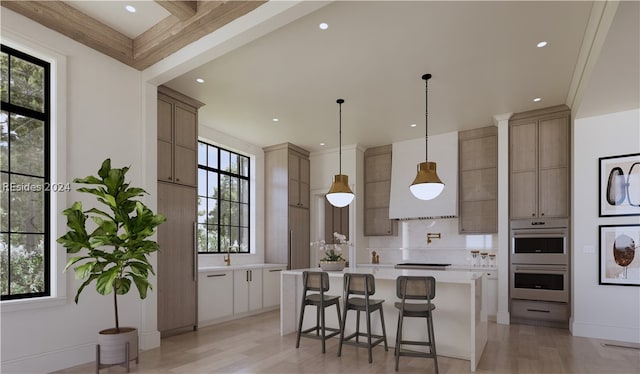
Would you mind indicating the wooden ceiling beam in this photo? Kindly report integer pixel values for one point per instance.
(183, 10)
(158, 42)
(78, 26)
(169, 36)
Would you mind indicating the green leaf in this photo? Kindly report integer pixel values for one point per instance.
(142, 285)
(84, 270)
(73, 260)
(88, 180)
(104, 284)
(105, 168)
(84, 284)
(122, 286)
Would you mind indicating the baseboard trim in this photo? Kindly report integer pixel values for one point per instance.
(599, 331)
(51, 361)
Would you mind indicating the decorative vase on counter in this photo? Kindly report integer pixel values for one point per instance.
(332, 265)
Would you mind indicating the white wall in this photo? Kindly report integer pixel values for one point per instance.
(600, 311)
(256, 153)
(104, 118)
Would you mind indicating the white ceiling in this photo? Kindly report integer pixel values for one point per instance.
(482, 55)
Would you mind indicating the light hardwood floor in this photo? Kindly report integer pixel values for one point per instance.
(254, 345)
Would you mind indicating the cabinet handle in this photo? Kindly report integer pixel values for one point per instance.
(246, 275)
(538, 310)
(195, 251)
(274, 270)
(169, 178)
(542, 214)
(177, 179)
(216, 275)
(533, 214)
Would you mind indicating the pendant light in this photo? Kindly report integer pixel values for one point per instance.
(340, 195)
(427, 184)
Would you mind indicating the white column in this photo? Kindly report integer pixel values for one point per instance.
(502, 121)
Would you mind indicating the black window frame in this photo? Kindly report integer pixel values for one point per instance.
(222, 247)
(45, 117)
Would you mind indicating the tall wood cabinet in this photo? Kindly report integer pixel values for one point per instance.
(478, 180)
(177, 200)
(539, 159)
(377, 190)
(287, 220)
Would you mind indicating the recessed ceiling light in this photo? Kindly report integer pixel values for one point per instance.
(323, 26)
(541, 44)
(537, 99)
(413, 125)
(199, 80)
(130, 8)
(275, 119)
(322, 144)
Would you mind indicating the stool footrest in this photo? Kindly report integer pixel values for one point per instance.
(408, 352)
(317, 334)
(375, 339)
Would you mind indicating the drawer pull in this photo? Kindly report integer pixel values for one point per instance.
(538, 310)
(274, 270)
(216, 275)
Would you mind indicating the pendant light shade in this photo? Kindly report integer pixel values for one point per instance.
(340, 195)
(427, 185)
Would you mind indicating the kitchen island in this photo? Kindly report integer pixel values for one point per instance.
(459, 320)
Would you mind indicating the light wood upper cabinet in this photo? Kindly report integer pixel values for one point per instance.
(299, 179)
(287, 220)
(377, 190)
(177, 137)
(478, 180)
(539, 159)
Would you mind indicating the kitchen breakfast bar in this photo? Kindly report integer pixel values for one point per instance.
(459, 321)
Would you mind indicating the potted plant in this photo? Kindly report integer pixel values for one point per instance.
(117, 250)
(333, 260)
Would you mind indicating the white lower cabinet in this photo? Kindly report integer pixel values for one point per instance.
(215, 295)
(271, 286)
(491, 294)
(247, 290)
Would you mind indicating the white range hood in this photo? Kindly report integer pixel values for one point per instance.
(443, 149)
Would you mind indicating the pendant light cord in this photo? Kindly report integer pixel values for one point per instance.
(340, 101)
(426, 78)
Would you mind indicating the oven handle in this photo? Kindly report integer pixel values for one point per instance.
(542, 269)
(538, 234)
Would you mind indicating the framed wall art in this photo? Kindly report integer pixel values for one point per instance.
(619, 261)
(619, 191)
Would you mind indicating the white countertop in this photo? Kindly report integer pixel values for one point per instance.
(383, 272)
(239, 267)
(459, 267)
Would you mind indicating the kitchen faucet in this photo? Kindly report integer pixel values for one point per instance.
(227, 258)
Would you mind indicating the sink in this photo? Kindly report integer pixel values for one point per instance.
(417, 265)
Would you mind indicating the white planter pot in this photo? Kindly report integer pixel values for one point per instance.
(332, 265)
(113, 343)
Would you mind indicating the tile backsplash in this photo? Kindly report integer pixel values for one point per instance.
(411, 243)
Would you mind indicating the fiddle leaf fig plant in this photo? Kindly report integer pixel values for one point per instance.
(117, 244)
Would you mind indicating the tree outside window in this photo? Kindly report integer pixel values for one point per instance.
(223, 200)
(24, 175)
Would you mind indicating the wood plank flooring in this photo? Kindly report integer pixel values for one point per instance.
(254, 345)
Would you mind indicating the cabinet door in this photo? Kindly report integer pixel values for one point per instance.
(478, 180)
(294, 179)
(304, 184)
(240, 291)
(553, 173)
(176, 258)
(215, 296)
(377, 189)
(165, 140)
(299, 238)
(185, 166)
(523, 184)
(255, 289)
(271, 287)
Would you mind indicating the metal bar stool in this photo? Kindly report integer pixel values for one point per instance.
(361, 284)
(317, 281)
(416, 288)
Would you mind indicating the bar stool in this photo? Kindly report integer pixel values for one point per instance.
(361, 284)
(416, 288)
(317, 281)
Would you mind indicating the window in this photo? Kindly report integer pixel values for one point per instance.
(24, 175)
(223, 200)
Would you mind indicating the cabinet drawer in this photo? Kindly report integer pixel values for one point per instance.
(540, 310)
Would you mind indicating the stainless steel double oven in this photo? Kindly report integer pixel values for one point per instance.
(539, 271)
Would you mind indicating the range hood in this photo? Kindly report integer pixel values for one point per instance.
(443, 149)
